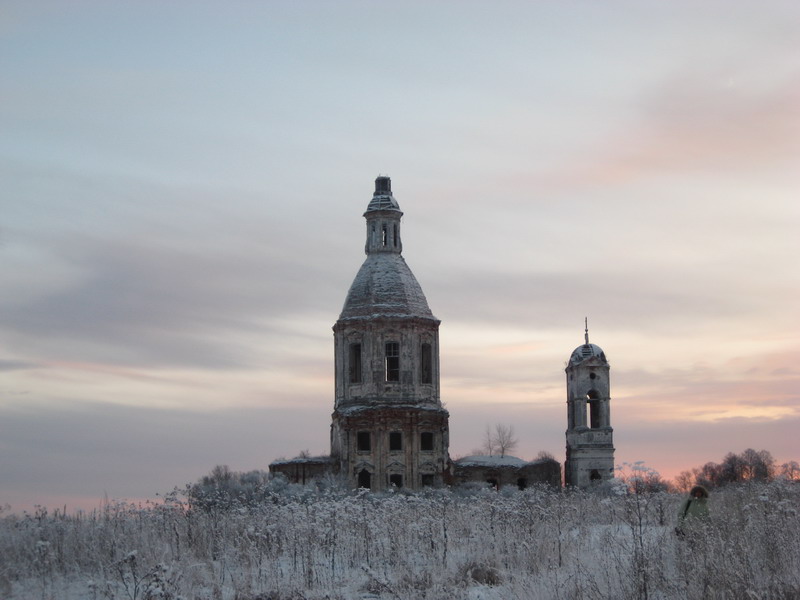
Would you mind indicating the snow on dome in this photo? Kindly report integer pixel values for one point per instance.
(383, 202)
(385, 286)
(382, 199)
(491, 461)
(586, 351)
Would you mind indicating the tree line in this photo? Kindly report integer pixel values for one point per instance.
(750, 465)
(224, 488)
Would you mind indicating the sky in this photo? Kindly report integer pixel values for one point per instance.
(183, 187)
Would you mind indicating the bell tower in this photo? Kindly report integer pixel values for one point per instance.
(590, 447)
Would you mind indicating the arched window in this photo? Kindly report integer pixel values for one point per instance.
(592, 399)
(392, 361)
(365, 479)
(354, 364)
(426, 364)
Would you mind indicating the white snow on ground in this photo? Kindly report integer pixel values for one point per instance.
(463, 544)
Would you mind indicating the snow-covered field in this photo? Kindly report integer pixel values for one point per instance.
(472, 544)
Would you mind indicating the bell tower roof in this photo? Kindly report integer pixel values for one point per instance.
(587, 350)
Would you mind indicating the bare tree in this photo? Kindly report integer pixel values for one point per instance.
(685, 480)
(489, 444)
(499, 440)
(750, 465)
(791, 470)
(504, 438)
(545, 455)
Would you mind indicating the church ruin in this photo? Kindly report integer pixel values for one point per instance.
(590, 449)
(389, 428)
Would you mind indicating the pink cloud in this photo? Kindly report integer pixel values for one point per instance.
(694, 121)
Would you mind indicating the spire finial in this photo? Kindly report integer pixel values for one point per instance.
(586, 331)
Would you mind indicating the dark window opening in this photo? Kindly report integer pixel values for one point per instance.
(355, 363)
(595, 475)
(522, 483)
(364, 442)
(392, 361)
(396, 480)
(365, 479)
(426, 441)
(592, 376)
(384, 236)
(395, 236)
(594, 414)
(395, 441)
(492, 483)
(427, 480)
(426, 364)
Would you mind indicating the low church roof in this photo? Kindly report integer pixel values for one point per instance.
(481, 460)
(385, 287)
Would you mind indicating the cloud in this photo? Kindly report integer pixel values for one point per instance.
(716, 391)
(17, 365)
(672, 448)
(152, 302)
(89, 449)
(696, 122)
(546, 299)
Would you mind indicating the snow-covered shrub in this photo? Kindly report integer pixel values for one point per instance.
(327, 542)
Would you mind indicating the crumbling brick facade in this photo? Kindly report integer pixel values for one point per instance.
(389, 427)
(508, 471)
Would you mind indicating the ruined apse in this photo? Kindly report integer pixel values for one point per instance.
(388, 424)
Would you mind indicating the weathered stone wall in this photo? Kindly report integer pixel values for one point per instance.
(304, 470)
(590, 447)
(516, 475)
(372, 335)
(415, 464)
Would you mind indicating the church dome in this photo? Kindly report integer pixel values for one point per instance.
(385, 287)
(586, 351)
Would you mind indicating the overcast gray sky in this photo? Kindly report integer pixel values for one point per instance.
(183, 189)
